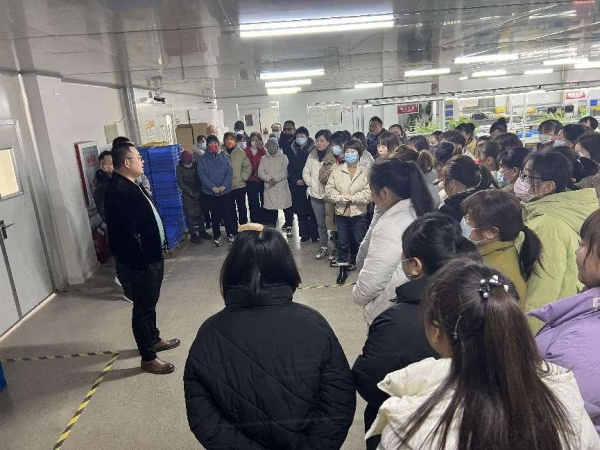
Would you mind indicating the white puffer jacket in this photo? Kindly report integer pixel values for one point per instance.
(275, 167)
(381, 272)
(310, 175)
(410, 387)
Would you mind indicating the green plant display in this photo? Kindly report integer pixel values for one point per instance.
(452, 124)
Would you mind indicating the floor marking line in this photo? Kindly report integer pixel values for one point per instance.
(50, 357)
(326, 286)
(65, 434)
(175, 262)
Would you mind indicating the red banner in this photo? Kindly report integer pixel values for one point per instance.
(575, 95)
(408, 109)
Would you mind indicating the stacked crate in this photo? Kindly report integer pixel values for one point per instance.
(160, 166)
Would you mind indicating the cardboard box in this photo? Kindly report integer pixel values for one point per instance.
(187, 133)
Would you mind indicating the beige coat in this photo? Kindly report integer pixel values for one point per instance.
(310, 174)
(341, 183)
(242, 168)
(275, 167)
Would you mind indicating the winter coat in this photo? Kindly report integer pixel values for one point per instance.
(396, 339)
(242, 169)
(191, 189)
(215, 170)
(372, 144)
(297, 157)
(255, 162)
(451, 205)
(277, 196)
(430, 177)
(557, 220)
(310, 174)
(570, 339)
(268, 374)
(101, 181)
(591, 182)
(382, 270)
(410, 387)
(366, 161)
(358, 188)
(329, 164)
(504, 256)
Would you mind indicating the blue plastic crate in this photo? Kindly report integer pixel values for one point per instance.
(2, 379)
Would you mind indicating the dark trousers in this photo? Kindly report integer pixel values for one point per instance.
(270, 217)
(307, 226)
(349, 228)
(239, 198)
(370, 416)
(289, 217)
(222, 208)
(145, 290)
(256, 199)
(122, 277)
(196, 225)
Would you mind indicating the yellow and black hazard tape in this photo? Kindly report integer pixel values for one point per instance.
(326, 286)
(46, 358)
(63, 437)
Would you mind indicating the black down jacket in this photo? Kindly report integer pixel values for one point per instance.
(268, 375)
(396, 339)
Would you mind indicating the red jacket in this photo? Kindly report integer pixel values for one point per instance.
(255, 161)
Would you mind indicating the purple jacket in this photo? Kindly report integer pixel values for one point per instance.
(570, 339)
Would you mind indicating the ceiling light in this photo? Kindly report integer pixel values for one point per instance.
(285, 90)
(283, 83)
(564, 61)
(588, 65)
(292, 74)
(426, 72)
(571, 13)
(538, 71)
(537, 91)
(486, 58)
(367, 85)
(489, 73)
(313, 26)
(463, 78)
(367, 105)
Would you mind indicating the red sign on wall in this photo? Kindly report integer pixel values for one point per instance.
(408, 109)
(575, 95)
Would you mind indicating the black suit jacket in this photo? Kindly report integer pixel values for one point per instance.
(133, 235)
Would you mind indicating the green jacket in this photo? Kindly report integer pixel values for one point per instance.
(557, 220)
(242, 168)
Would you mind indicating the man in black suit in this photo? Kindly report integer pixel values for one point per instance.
(136, 237)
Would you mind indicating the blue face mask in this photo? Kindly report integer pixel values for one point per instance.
(559, 143)
(351, 158)
(301, 141)
(466, 229)
(337, 150)
(500, 179)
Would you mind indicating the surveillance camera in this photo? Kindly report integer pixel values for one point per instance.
(160, 99)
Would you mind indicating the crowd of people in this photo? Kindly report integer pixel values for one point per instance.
(478, 264)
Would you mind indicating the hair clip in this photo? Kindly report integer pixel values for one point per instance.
(251, 227)
(486, 285)
(455, 332)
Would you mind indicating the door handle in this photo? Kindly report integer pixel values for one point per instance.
(4, 227)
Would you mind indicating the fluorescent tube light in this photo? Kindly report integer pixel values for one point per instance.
(283, 83)
(538, 71)
(367, 105)
(292, 74)
(426, 72)
(486, 58)
(564, 61)
(489, 73)
(463, 78)
(588, 65)
(285, 90)
(537, 91)
(314, 26)
(367, 85)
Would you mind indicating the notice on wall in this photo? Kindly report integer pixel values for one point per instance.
(575, 95)
(111, 132)
(411, 108)
(325, 114)
(151, 130)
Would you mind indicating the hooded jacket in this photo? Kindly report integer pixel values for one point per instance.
(381, 271)
(310, 173)
(396, 339)
(241, 166)
(451, 205)
(410, 387)
(557, 220)
(282, 383)
(215, 170)
(569, 338)
(275, 167)
(101, 181)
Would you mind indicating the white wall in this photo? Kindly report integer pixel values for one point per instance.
(65, 113)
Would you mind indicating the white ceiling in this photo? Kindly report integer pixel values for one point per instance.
(196, 48)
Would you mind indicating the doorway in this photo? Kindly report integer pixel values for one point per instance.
(24, 273)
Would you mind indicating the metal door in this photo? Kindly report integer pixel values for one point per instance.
(24, 273)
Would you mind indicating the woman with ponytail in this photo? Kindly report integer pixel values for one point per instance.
(397, 336)
(400, 193)
(462, 178)
(426, 163)
(494, 222)
(490, 389)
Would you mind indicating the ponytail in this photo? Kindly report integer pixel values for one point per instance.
(420, 197)
(425, 161)
(530, 253)
(486, 179)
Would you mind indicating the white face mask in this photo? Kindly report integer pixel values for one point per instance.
(545, 138)
(254, 144)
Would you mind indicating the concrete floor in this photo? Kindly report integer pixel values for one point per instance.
(131, 409)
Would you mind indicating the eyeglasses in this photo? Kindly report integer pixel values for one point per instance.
(138, 157)
(523, 175)
(288, 129)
